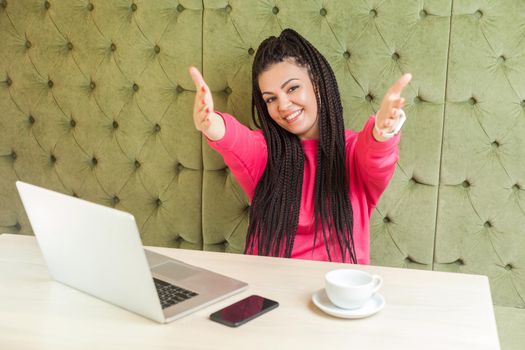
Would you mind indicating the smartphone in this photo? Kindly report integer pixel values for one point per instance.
(243, 311)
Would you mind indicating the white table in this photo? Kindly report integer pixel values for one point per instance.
(424, 310)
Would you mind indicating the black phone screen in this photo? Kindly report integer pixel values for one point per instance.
(244, 310)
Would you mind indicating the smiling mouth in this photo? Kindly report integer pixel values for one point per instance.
(294, 116)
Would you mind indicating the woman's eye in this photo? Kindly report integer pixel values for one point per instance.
(270, 100)
(293, 88)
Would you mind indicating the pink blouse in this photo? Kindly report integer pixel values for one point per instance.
(369, 163)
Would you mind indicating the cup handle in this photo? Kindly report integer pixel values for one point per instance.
(378, 281)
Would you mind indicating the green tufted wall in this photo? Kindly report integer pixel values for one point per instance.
(95, 101)
(481, 218)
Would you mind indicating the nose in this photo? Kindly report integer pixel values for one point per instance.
(284, 103)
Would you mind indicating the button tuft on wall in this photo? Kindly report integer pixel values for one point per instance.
(423, 13)
(3, 3)
(133, 7)
(369, 97)
(13, 155)
(31, 119)
(137, 164)
(346, 55)
(228, 9)
(156, 129)
(323, 12)
(113, 47)
(495, 144)
(115, 124)
(47, 5)
(487, 224)
(72, 123)
(478, 14)
(115, 200)
(156, 49)
(251, 51)
(387, 220)
(501, 59)
(135, 87)
(417, 99)
(275, 10)
(395, 56)
(8, 81)
(465, 184)
(180, 8)
(94, 161)
(50, 83)
(516, 187)
(411, 260)
(179, 89)
(459, 262)
(28, 44)
(372, 13)
(70, 46)
(90, 7)
(472, 101)
(508, 267)
(92, 85)
(227, 90)
(52, 159)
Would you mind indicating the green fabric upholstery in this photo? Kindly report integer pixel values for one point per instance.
(481, 221)
(510, 327)
(96, 102)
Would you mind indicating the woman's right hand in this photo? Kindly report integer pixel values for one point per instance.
(206, 120)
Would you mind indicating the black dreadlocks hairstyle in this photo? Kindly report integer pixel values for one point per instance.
(274, 213)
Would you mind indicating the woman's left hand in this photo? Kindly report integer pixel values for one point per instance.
(388, 114)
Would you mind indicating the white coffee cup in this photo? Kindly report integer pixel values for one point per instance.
(351, 289)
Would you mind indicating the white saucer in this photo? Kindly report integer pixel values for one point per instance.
(373, 305)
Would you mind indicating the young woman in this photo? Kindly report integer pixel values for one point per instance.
(312, 185)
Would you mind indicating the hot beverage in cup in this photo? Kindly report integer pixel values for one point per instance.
(351, 289)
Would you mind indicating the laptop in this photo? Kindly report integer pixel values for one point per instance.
(97, 250)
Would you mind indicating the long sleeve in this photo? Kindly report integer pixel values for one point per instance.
(244, 151)
(374, 162)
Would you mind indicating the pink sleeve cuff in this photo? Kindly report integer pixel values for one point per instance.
(230, 136)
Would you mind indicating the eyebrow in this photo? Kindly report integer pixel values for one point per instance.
(284, 84)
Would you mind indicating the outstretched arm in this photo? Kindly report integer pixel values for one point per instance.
(206, 120)
(373, 156)
(243, 150)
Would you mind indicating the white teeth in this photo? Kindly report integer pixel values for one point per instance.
(293, 115)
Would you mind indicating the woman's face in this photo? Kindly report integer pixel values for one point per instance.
(290, 98)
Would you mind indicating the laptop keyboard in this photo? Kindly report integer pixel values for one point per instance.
(170, 295)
